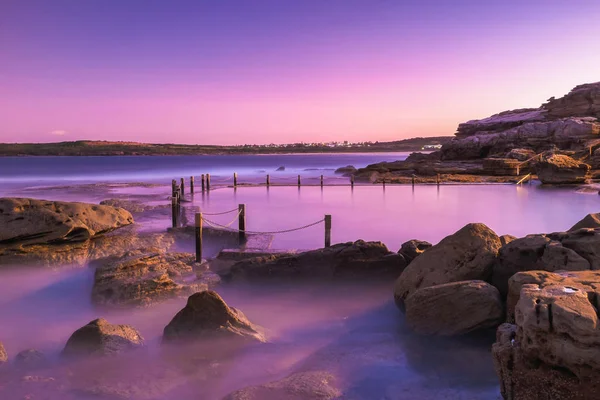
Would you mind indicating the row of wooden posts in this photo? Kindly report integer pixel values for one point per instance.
(242, 230)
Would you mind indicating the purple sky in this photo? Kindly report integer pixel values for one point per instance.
(261, 71)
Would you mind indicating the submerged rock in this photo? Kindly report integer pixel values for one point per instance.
(206, 315)
(553, 352)
(3, 355)
(413, 248)
(468, 254)
(316, 385)
(30, 358)
(348, 169)
(101, 338)
(454, 308)
(145, 276)
(534, 252)
(30, 221)
(345, 260)
(282, 168)
(561, 169)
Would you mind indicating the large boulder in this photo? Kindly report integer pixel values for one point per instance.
(583, 100)
(3, 355)
(29, 221)
(584, 280)
(561, 169)
(143, 277)
(413, 248)
(345, 260)
(206, 315)
(454, 308)
(534, 252)
(586, 243)
(553, 352)
(30, 358)
(101, 338)
(589, 221)
(315, 385)
(466, 255)
(347, 170)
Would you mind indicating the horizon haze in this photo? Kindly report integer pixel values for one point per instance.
(235, 72)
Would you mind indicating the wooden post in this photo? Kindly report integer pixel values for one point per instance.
(437, 179)
(174, 211)
(327, 230)
(202, 177)
(242, 223)
(383, 181)
(268, 180)
(173, 187)
(590, 151)
(207, 182)
(321, 180)
(191, 184)
(413, 180)
(235, 179)
(198, 237)
(298, 180)
(518, 170)
(352, 180)
(182, 187)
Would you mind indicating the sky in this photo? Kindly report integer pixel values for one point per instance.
(281, 71)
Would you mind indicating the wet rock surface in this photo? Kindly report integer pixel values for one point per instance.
(206, 316)
(553, 351)
(454, 308)
(101, 338)
(317, 385)
(413, 248)
(146, 276)
(30, 221)
(358, 259)
(468, 254)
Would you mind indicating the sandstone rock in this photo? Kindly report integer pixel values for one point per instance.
(29, 221)
(561, 169)
(206, 315)
(586, 243)
(345, 260)
(554, 353)
(506, 239)
(129, 205)
(521, 154)
(30, 358)
(3, 355)
(502, 166)
(349, 169)
(501, 122)
(589, 221)
(145, 276)
(100, 338)
(454, 308)
(80, 253)
(584, 280)
(413, 248)
(466, 255)
(315, 385)
(534, 252)
(583, 100)
(421, 157)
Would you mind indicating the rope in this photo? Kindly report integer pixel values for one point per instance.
(220, 213)
(223, 226)
(226, 227)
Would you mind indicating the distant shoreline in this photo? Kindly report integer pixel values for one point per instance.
(101, 148)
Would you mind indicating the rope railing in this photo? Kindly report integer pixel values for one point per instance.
(227, 227)
(221, 213)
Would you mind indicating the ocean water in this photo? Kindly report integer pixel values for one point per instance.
(362, 339)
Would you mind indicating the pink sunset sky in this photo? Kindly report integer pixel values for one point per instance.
(235, 72)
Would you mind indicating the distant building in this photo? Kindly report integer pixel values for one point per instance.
(432, 147)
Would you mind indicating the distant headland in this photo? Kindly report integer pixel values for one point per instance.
(106, 148)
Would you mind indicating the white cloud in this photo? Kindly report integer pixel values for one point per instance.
(58, 133)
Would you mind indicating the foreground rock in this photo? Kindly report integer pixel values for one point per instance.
(412, 249)
(29, 221)
(146, 276)
(534, 252)
(315, 385)
(454, 308)
(3, 355)
(101, 338)
(591, 221)
(553, 352)
(468, 254)
(206, 315)
(561, 169)
(588, 281)
(345, 260)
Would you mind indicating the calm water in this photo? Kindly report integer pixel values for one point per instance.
(361, 339)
